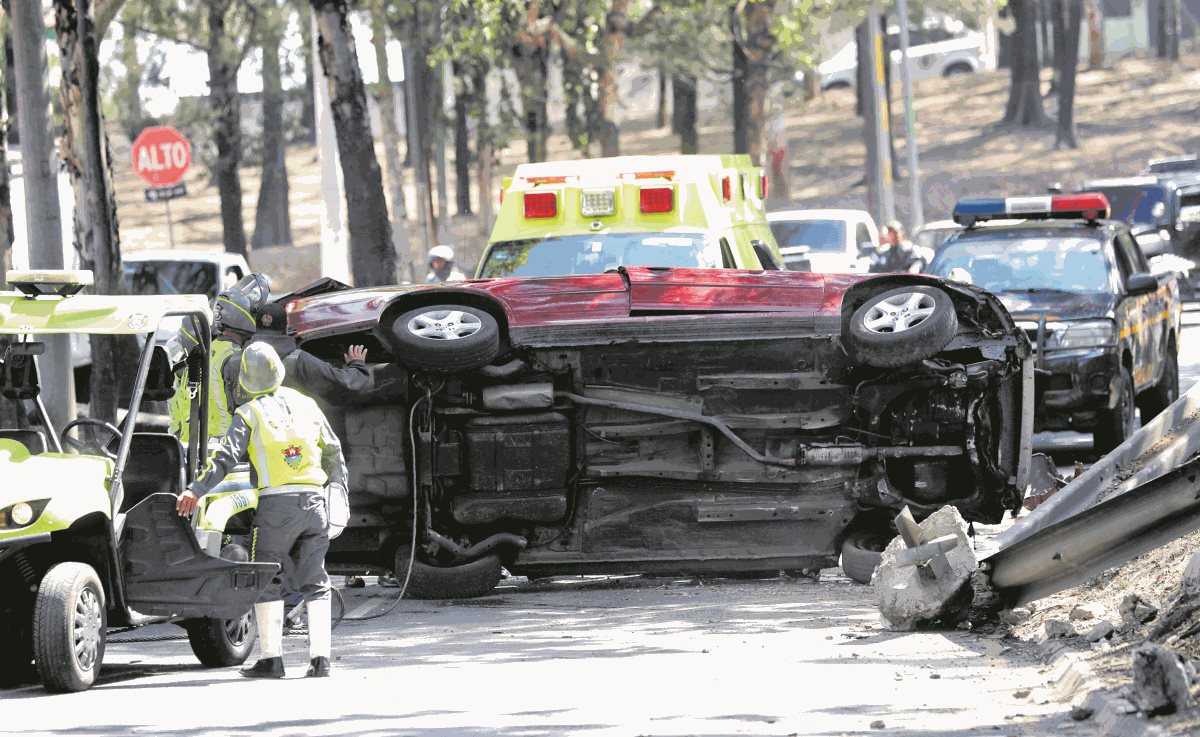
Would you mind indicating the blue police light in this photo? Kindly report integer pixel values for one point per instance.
(1090, 206)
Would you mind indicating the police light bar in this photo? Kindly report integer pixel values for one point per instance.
(61, 282)
(1090, 206)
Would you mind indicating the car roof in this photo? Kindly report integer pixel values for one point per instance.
(818, 214)
(85, 314)
(1139, 181)
(215, 257)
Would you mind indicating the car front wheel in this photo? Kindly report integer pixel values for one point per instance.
(69, 627)
(446, 338)
(902, 326)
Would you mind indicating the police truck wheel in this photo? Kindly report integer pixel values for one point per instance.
(1114, 425)
(902, 326)
(1163, 394)
(466, 581)
(69, 627)
(221, 643)
(446, 338)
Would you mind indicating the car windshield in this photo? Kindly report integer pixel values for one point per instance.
(171, 277)
(1133, 204)
(597, 253)
(1026, 264)
(821, 236)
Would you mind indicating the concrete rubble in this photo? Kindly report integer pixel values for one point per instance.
(910, 597)
(1059, 629)
(1083, 612)
(1136, 611)
(1161, 680)
(1101, 630)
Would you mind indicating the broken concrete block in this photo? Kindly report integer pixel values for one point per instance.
(1191, 576)
(1101, 630)
(1135, 610)
(1083, 612)
(1160, 680)
(1059, 629)
(1014, 617)
(910, 597)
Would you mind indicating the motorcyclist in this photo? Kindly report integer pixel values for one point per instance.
(441, 266)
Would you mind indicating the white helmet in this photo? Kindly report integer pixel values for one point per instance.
(262, 369)
(445, 253)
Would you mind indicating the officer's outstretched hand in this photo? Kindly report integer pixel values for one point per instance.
(356, 353)
(187, 503)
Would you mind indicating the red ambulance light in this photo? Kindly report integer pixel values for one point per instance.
(541, 205)
(656, 199)
(762, 186)
(727, 188)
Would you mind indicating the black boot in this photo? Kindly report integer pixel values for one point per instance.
(265, 668)
(318, 668)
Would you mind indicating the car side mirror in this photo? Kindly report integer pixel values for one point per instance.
(1141, 283)
(766, 257)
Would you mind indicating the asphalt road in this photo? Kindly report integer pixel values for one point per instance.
(592, 656)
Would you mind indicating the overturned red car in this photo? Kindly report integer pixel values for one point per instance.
(668, 421)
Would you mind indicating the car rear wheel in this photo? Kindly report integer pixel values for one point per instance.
(446, 338)
(1114, 425)
(70, 623)
(862, 550)
(1163, 394)
(902, 326)
(465, 581)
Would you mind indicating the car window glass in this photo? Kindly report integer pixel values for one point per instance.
(819, 236)
(170, 277)
(599, 253)
(862, 234)
(1024, 263)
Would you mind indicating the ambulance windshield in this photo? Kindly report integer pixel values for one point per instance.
(600, 252)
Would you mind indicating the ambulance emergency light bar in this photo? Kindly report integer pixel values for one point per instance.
(1090, 206)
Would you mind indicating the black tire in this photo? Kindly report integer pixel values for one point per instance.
(1114, 425)
(873, 340)
(959, 69)
(68, 590)
(861, 552)
(1164, 393)
(221, 643)
(472, 350)
(838, 85)
(467, 581)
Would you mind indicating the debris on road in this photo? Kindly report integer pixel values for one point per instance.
(1161, 680)
(1059, 629)
(914, 596)
(1136, 611)
(1101, 630)
(1083, 612)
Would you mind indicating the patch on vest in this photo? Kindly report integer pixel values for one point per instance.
(293, 456)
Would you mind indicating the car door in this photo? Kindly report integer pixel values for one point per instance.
(1140, 313)
(864, 239)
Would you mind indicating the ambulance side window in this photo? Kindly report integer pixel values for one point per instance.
(727, 261)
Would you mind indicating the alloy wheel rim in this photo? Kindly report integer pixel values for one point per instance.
(899, 313)
(237, 630)
(86, 628)
(445, 325)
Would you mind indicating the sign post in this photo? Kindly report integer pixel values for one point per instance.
(161, 156)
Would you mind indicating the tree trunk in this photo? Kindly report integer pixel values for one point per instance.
(463, 97)
(308, 111)
(662, 116)
(97, 236)
(1070, 16)
(741, 133)
(684, 112)
(272, 221)
(130, 85)
(10, 86)
(1024, 107)
(529, 63)
(611, 41)
(759, 41)
(227, 128)
(386, 98)
(372, 256)
(1095, 21)
(486, 149)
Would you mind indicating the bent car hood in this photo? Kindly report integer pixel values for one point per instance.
(632, 292)
(1057, 305)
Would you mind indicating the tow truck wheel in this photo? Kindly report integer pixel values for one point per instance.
(221, 643)
(70, 620)
(902, 326)
(1114, 425)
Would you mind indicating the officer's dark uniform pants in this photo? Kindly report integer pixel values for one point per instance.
(293, 527)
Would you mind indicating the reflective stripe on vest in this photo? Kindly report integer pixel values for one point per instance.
(219, 415)
(180, 408)
(285, 429)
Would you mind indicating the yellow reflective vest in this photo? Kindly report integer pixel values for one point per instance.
(285, 438)
(219, 411)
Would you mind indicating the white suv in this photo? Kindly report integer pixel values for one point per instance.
(824, 241)
(942, 49)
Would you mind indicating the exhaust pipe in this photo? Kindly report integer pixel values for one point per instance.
(479, 549)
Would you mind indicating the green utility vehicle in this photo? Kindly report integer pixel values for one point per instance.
(89, 536)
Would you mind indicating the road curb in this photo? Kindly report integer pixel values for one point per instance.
(1072, 682)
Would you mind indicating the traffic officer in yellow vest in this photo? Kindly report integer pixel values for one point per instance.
(294, 457)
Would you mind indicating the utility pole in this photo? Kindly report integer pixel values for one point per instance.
(335, 241)
(42, 210)
(414, 109)
(875, 117)
(917, 207)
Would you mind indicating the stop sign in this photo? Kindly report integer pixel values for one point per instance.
(161, 156)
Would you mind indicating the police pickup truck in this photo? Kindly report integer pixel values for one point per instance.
(1105, 329)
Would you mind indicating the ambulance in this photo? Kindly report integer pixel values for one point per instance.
(597, 215)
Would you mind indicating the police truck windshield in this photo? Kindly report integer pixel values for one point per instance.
(598, 253)
(1024, 264)
(821, 236)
